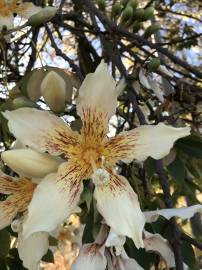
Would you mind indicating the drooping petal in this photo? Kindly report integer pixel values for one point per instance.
(30, 163)
(126, 263)
(32, 249)
(97, 102)
(91, 257)
(158, 244)
(142, 142)
(42, 131)
(55, 198)
(118, 204)
(19, 194)
(182, 212)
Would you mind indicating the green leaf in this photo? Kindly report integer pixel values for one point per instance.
(191, 145)
(177, 170)
(188, 255)
(4, 243)
(48, 257)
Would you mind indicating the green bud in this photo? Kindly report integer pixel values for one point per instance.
(138, 14)
(127, 14)
(101, 4)
(133, 4)
(152, 29)
(137, 26)
(153, 65)
(43, 16)
(148, 13)
(20, 102)
(124, 2)
(116, 10)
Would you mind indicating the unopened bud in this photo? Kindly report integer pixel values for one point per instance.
(133, 4)
(53, 89)
(127, 14)
(148, 13)
(21, 102)
(153, 65)
(116, 10)
(101, 4)
(29, 163)
(138, 14)
(43, 16)
(152, 29)
(137, 26)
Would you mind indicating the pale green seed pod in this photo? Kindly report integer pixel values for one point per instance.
(136, 27)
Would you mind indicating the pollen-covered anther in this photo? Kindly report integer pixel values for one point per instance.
(101, 177)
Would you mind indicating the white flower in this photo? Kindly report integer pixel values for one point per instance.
(90, 154)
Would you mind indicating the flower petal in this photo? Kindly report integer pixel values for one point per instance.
(32, 249)
(118, 204)
(158, 244)
(28, 162)
(142, 142)
(20, 194)
(55, 198)
(90, 257)
(97, 102)
(26, 10)
(41, 131)
(126, 263)
(182, 212)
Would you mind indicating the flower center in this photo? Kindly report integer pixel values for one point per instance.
(100, 177)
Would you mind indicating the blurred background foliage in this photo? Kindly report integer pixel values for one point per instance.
(156, 46)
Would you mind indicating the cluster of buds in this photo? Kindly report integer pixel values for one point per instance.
(128, 14)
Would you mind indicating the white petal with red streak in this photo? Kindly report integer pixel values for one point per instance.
(98, 90)
(119, 205)
(52, 203)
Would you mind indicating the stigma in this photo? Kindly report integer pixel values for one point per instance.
(100, 177)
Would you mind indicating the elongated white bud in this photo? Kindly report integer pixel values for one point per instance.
(29, 163)
(53, 89)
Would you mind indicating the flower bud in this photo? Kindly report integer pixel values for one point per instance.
(53, 89)
(151, 30)
(133, 4)
(153, 65)
(148, 13)
(138, 14)
(137, 26)
(29, 163)
(43, 16)
(20, 102)
(101, 4)
(116, 10)
(127, 14)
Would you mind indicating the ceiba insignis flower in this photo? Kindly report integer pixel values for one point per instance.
(10, 7)
(90, 155)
